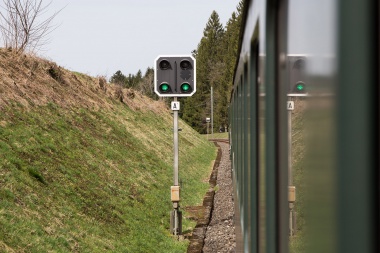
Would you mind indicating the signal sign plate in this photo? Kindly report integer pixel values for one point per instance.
(175, 106)
(290, 105)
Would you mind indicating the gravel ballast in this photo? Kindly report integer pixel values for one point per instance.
(220, 233)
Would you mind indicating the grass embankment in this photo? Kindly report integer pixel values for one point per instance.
(83, 169)
(219, 135)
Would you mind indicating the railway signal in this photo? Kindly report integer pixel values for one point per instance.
(300, 87)
(297, 75)
(175, 76)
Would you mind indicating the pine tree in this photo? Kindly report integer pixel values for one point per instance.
(118, 78)
(208, 57)
(231, 46)
(216, 58)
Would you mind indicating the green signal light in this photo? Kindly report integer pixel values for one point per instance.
(164, 87)
(185, 87)
(300, 87)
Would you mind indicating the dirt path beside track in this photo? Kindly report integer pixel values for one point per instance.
(215, 231)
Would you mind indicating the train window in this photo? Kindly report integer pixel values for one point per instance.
(312, 54)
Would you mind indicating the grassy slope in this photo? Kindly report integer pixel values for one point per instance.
(91, 174)
(217, 135)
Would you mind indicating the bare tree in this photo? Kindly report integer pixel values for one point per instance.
(25, 24)
(145, 86)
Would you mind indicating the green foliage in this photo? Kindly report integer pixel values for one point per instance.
(139, 82)
(118, 78)
(132, 81)
(216, 57)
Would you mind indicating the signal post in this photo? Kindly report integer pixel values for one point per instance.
(176, 215)
(297, 88)
(175, 76)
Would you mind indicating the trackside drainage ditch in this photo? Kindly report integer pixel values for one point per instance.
(202, 214)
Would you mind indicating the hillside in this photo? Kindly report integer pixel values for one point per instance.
(86, 166)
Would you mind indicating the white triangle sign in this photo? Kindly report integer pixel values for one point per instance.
(290, 105)
(175, 106)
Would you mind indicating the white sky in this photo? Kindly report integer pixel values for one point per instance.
(315, 37)
(99, 37)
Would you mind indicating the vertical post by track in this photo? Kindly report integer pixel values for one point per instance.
(175, 141)
(291, 188)
(176, 217)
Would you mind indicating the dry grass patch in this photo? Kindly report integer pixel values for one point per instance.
(33, 81)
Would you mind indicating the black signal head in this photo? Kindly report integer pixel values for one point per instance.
(164, 65)
(185, 64)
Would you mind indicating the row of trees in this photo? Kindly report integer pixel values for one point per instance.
(216, 57)
(142, 83)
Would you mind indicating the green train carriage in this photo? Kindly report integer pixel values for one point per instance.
(340, 42)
